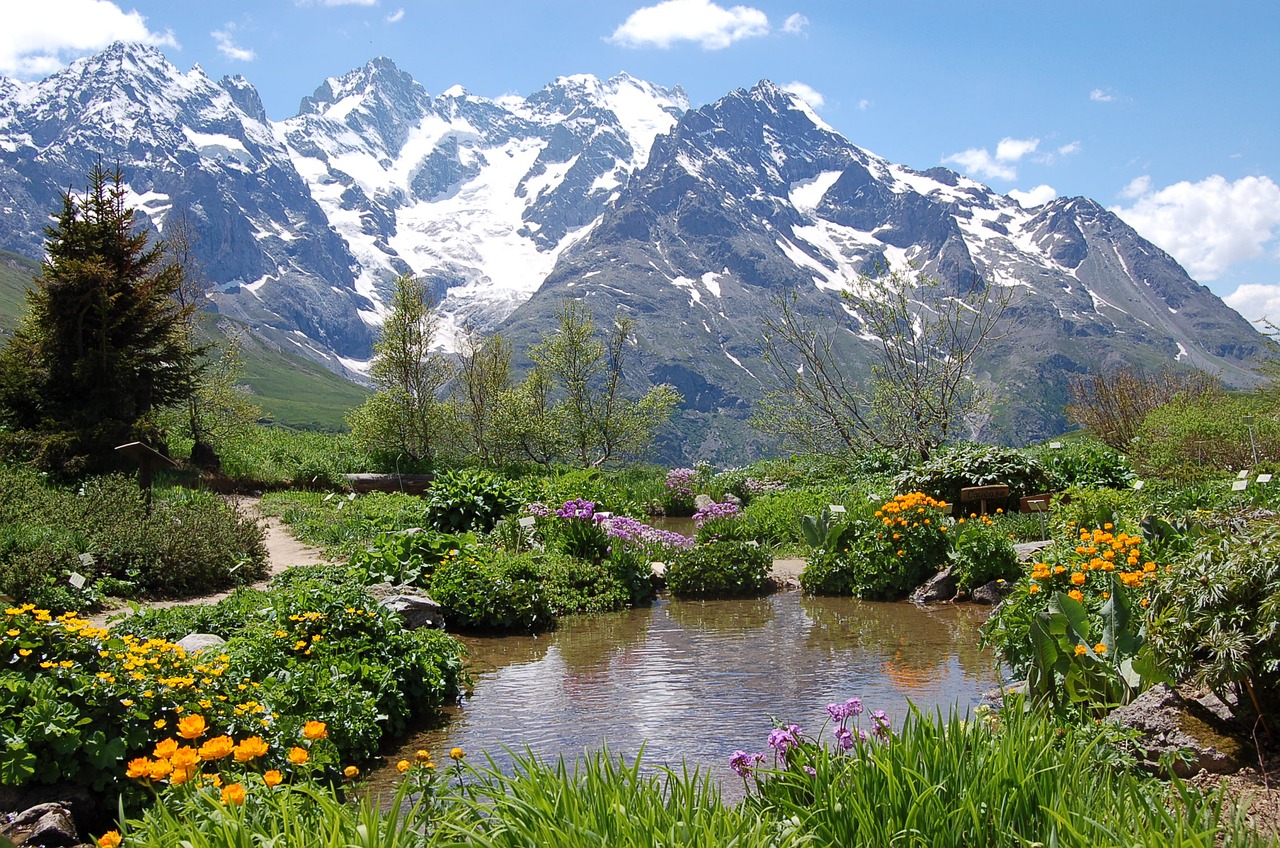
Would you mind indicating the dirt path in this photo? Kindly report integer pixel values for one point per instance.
(283, 552)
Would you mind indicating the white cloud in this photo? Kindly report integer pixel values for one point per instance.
(396, 17)
(1038, 196)
(1136, 187)
(1100, 96)
(225, 41)
(39, 38)
(1208, 226)
(806, 93)
(795, 24)
(864, 104)
(979, 161)
(710, 25)
(348, 2)
(1256, 301)
(1069, 149)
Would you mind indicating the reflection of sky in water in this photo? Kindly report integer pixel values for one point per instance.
(693, 681)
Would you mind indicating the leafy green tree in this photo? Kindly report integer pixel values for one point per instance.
(405, 415)
(919, 388)
(481, 386)
(104, 342)
(574, 403)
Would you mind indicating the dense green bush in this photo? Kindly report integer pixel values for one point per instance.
(720, 569)
(982, 552)
(191, 543)
(406, 557)
(1084, 462)
(962, 466)
(273, 456)
(469, 499)
(492, 590)
(773, 518)
(575, 586)
(1191, 441)
(883, 553)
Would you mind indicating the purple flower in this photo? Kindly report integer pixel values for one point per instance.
(715, 512)
(838, 712)
(813, 772)
(844, 738)
(741, 762)
(882, 729)
(679, 482)
(854, 706)
(577, 508)
(537, 508)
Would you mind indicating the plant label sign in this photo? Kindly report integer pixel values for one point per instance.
(76, 579)
(1239, 485)
(1243, 475)
(1264, 478)
(836, 509)
(1055, 445)
(528, 521)
(1138, 484)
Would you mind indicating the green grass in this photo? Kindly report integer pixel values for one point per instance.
(16, 273)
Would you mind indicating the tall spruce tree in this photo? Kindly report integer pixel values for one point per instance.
(104, 342)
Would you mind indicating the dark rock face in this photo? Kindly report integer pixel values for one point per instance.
(938, 589)
(414, 606)
(41, 826)
(1170, 723)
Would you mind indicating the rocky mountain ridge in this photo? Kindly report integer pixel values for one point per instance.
(693, 220)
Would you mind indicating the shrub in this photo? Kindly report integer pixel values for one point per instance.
(1191, 441)
(956, 468)
(719, 569)
(575, 586)
(1216, 618)
(488, 589)
(882, 554)
(191, 543)
(774, 517)
(407, 557)
(679, 490)
(1113, 405)
(1084, 462)
(981, 553)
(469, 499)
(574, 529)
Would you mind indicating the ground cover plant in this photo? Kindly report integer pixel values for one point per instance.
(723, 562)
(79, 702)
(102, 531)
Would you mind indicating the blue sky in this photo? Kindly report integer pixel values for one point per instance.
(1168, 112)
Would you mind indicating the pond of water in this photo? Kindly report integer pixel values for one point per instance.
(694, 680)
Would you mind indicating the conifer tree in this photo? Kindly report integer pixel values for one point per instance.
(104, 342)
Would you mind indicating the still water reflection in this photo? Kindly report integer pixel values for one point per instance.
(694, 680)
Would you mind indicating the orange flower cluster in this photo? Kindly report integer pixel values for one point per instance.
(911, 510)
(1097, 551)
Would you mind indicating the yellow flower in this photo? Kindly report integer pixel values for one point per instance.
(159, 723)
(1033, 589)
(456, 754)
(423, 756)
(315, 730)
(13, 633)
(1099, 648)
(185, 757)
(272, 777)
(192, 726)
(298, 756)
(138, 767)
(233, 794)
(1081, 650)
(403, 766)
(351, 772)
(165, 748)
(110, 839)
(1078, 578)
(160, 769)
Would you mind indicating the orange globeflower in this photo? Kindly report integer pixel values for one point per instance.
(233, 794)
(272, 777)
(315, 730)
(160, 769)
(139, 767)
(351, 772)
(165, 748)
(298, 756)
(1099, 648)
(179, 776)
(1075, 595)
(217, 748)
(250, 748)
(403, 766)
(110, 839)
(456, 753)
(192, 726)
(1078, 578)
(185, 757)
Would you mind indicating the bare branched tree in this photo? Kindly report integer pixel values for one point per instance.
(918, 386)
(1112, 404)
